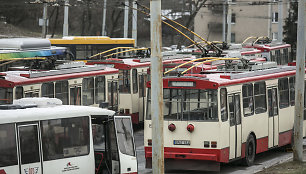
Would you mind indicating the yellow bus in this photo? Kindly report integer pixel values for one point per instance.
(85, 46)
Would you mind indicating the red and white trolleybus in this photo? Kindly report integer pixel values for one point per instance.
(224, 115)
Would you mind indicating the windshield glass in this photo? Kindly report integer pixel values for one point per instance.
(188, 104)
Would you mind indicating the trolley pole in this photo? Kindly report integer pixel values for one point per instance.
(66, 25)
(45, 20)
(104, 19)
(157, 89)
(299, 93)
(280, 21)
(126, 19)
(134, 22)
(229, 21)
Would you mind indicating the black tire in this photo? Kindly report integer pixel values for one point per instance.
(250, 151)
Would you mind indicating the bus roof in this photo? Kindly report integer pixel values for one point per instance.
(54, 112)
(216, 79)
(10, 79)
(70, 40)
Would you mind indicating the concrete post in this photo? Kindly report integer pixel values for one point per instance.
(104, 19)
(299, 85)
(45, 20)
(126, 19)
(157, 89)
(229, 21)
(280, 21)
(134, 22)
(66, 25)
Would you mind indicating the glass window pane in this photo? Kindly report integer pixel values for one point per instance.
(292, 90)
(19, 92)
(135, 81)
(248, 101)
(63, 138)
(6, 95)
(100, 89)
(47, 90)
(124, 81)
(8, 148)
(75, 95)
(283, 93)
(29, 147)
(231, 105)
(125, 136)
(113, 95)
(223, 104)
(61, 91)
(260, 97)
(88, 91)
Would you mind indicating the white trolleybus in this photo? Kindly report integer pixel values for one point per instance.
(42, 136)
(224, 115)
(74, 83)
(133, 77)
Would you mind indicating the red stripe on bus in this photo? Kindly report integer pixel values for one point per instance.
(285, 138)
(219, 155)
(262, 144)
(2, 171)
(131, 173)
(135, 118)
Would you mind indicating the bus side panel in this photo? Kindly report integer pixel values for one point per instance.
(78, 165)
(10, 169)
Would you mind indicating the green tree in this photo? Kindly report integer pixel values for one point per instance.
(290, 27)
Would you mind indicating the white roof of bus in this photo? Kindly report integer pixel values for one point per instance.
(55, 112)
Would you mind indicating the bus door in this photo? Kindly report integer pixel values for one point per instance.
(29, 149)
(235, 125)
(273, 116)
(112, 94)
(125, 139)
(142, 94)
(75, 94)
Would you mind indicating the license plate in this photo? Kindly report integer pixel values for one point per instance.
(181, 142)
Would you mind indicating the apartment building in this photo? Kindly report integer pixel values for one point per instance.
(248, 18)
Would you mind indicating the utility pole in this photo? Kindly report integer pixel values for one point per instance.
(224, 22)
(280, 21)
(299, 86)
(66, 25)
(104, 19)
(45, 20)
(134, 22)
(270, 19)
(229, 21)
(126, 19)
(157, 89)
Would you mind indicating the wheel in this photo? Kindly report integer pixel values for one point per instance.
(250, 151)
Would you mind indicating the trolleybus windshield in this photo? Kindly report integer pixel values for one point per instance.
(188, 104)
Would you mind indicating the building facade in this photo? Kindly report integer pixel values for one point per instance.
(248, 18)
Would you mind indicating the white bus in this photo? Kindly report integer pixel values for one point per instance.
(224, 115)
(42, 136)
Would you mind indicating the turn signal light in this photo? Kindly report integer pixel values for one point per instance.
(214, 144)
(171, 127)
(190, 128)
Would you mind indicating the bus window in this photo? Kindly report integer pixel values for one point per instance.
(135, 81)
(47, 90)
(124, 81)
(142, 85)
(113, 95)
(248, 100)
(98, 135)
(125, 136)
(75, 95)
(286, 55)
(292, 90)
(234, 109)
(19, 92)
(29, 146)
(88, 91)
(283, 93)
(80, 52)
(66, 137)
(6, 95)
(279, 60)
(31, 94)
(8, 148)
(100, 89)
(223, 104)
(260, 97)
(113, 147)
(61, 91)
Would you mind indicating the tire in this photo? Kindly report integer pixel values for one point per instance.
(250, 151)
